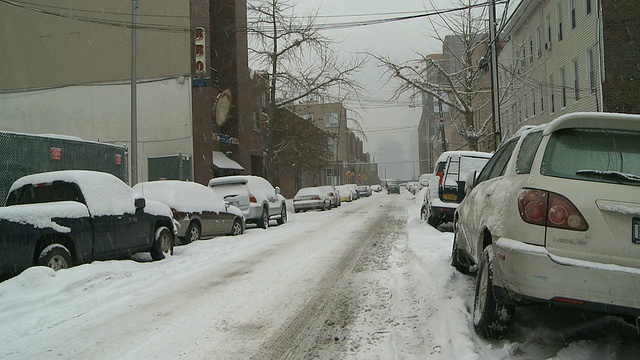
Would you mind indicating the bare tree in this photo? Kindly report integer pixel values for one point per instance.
(453, 80)
(298, 60)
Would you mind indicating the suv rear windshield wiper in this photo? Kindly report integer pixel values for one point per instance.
(610, 175)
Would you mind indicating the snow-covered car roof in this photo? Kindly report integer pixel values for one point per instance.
(445, 155)
(104, 193)
(309, 191)
(183, 196)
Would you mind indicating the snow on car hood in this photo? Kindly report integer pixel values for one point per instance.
(41, 215)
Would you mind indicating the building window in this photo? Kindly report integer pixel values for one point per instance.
(548, 44)
(552, 93)
(559, 11)
(572, 4)
(576, 85)
(539, 38)
(591, 71)
(563, 88)
(530, 50)
(330, 119)
(263, 99)
(588, 3)
(525, 103)
(256, 121)
(533, 101)
(541, 97)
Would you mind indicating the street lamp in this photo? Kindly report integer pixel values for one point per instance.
(375, 152)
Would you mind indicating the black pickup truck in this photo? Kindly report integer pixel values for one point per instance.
(64, 218)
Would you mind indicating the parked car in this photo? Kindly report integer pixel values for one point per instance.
(258, 200)
(64, 218)
(376, 188)
(346, 193)
(554, 217)
(311, 198)
(333, 194)
(393, 188)
(199, 211)
(447, 185)
(364, 191)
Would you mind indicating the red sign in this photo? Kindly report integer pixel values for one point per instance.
(56, 153)
(118, 159)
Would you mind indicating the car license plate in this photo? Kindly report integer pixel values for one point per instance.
(635, 231)
(453, 197)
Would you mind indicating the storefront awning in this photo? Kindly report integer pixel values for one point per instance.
(221, 161)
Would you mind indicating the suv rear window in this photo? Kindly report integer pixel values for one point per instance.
(599, 155)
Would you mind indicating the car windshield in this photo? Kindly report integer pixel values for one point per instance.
(598, 155)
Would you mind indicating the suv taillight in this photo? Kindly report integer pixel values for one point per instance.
(253, 199)
(546, 208)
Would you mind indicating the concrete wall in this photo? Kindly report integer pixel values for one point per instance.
(102, 113)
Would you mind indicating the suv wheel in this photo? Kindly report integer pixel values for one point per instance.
(163, 244)
(283, 215)
(491, 318)
(192, 234)
(455, 253)
(263, 222)
(423, 213)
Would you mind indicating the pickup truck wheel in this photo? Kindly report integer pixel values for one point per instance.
(55, 256)
(163, 244)
(283, 215)
(236, 229)
(192, 234)
(491, 318)
(263, 222)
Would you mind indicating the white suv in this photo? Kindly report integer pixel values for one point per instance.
(255, 196)
(554, 217)
(446, 187)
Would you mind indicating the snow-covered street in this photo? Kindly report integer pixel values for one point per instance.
(367, 280)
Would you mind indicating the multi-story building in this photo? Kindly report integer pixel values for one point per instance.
(332, 118)
(569, 56)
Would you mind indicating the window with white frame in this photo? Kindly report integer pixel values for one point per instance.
(530, 50)
(541, 97)
(548, 44)
(563, 87)
(539, 38)
(572, 9)
(576, 83)
(559, 17)
(552, 93)
(588, 5)
(330, 119)
(533, 101)
(591, 71)
(525, 104)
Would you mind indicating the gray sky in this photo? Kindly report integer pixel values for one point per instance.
(400, 41)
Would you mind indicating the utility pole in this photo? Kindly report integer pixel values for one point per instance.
(134, 106)
(495, 88)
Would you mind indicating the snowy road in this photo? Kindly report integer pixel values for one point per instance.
(365, 281)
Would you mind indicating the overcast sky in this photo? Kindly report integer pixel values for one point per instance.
(401, 41)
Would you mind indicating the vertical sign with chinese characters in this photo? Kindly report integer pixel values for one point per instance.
(200, 53)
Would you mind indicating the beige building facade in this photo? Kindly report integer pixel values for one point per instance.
(66, 69)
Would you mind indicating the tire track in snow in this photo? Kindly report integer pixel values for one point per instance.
(303, 336)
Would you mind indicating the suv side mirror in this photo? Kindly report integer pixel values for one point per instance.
(140, 203)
